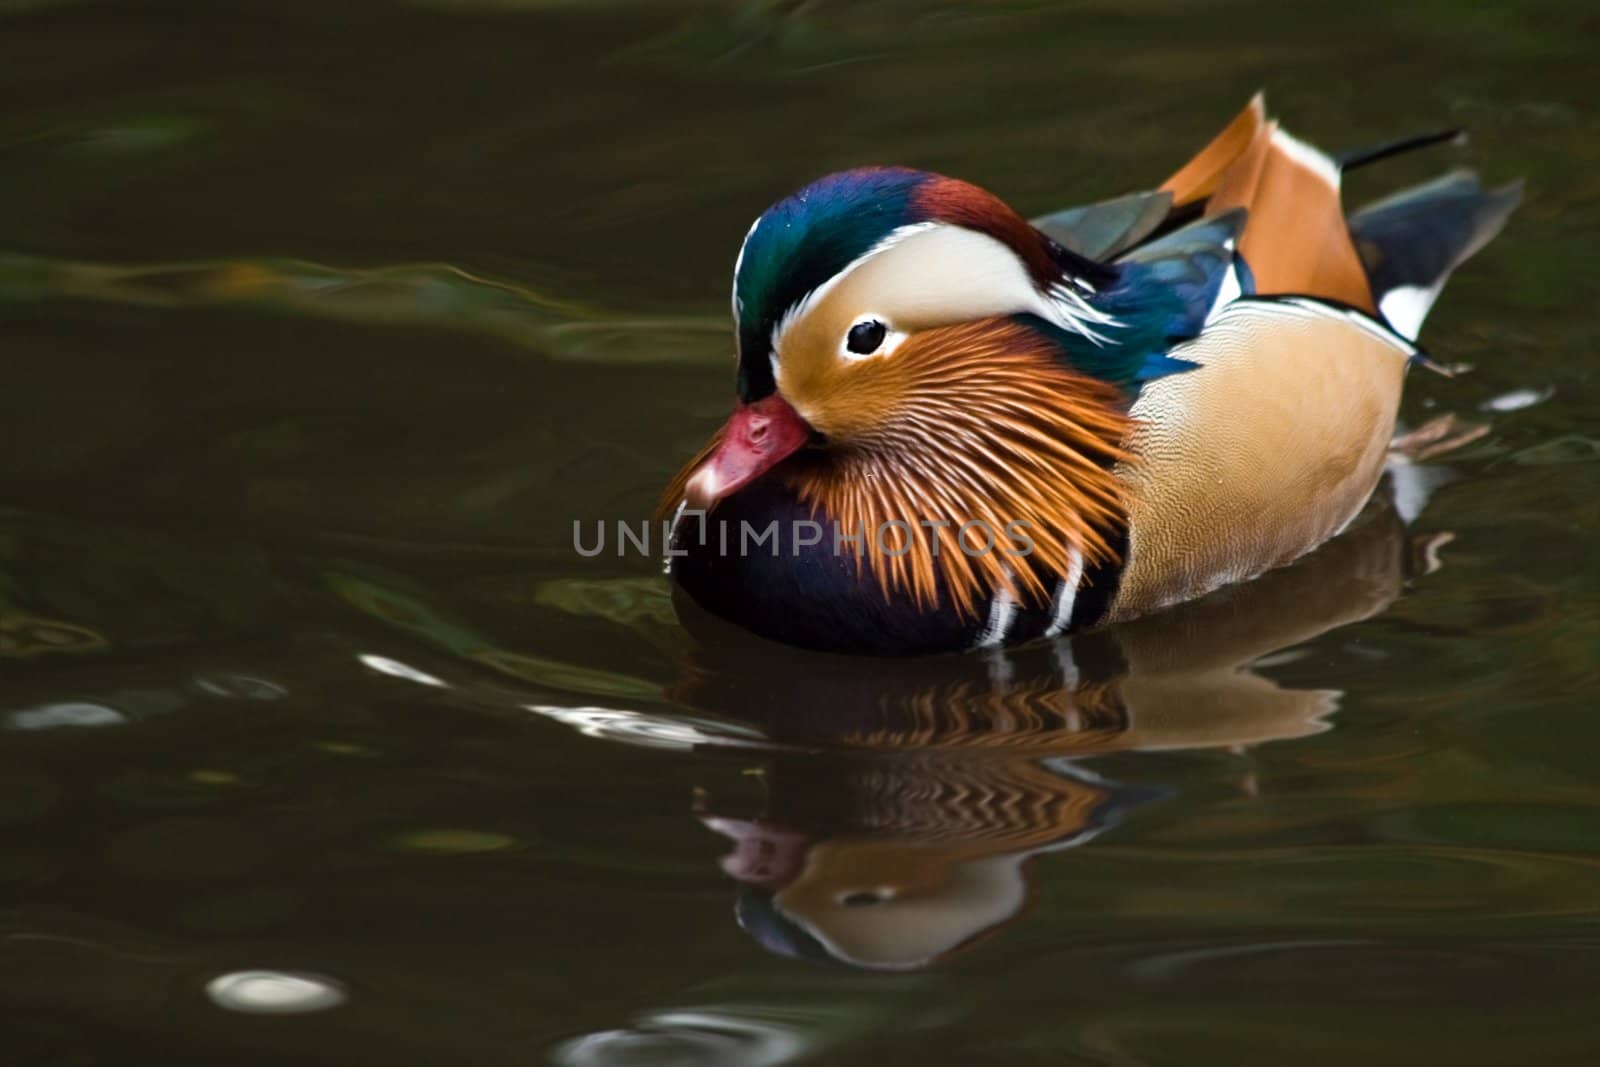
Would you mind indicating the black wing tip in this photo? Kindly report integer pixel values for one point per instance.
(1362, 157)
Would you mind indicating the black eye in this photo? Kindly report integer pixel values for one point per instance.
(865, 337)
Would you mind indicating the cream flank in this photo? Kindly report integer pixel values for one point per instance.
(1235, 472)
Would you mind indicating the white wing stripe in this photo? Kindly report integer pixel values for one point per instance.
(1066, 595)
(1002, 613)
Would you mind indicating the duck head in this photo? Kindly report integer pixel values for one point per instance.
(905, 358)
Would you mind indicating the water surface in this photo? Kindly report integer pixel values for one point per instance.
(321, 324)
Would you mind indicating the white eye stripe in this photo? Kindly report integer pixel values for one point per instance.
(800, 307)
(944, 274)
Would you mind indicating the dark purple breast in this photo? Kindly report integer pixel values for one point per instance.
(753, 562)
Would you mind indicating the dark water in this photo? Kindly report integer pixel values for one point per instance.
(319, 324)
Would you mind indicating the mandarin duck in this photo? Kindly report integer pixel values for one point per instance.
(957, 428)
(906, 799)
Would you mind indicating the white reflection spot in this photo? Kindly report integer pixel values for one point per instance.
(713, 1037)
(394, 668)
(51, 716)
(651, 731)
(274, 992)
(240, 687)
(1517, 399)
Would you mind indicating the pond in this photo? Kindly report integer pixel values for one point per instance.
(320, 325)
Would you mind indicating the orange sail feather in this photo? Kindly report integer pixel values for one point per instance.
(1295, 238)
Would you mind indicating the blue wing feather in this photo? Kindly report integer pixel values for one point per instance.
(1184, 270)
(1162, 295)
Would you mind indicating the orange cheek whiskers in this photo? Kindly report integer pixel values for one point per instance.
(976, 423)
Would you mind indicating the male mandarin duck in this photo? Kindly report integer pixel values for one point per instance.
(906, 799)
(970, 430)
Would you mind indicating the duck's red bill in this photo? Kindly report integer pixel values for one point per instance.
(757, 438)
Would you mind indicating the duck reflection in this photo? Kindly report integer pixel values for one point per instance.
(904, 799)
(894, 864)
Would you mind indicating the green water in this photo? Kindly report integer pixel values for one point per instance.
(321, 323)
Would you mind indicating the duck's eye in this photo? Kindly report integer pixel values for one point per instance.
(865, 337)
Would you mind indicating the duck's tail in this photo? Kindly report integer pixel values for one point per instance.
(1411, 241)
(1390, 258)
